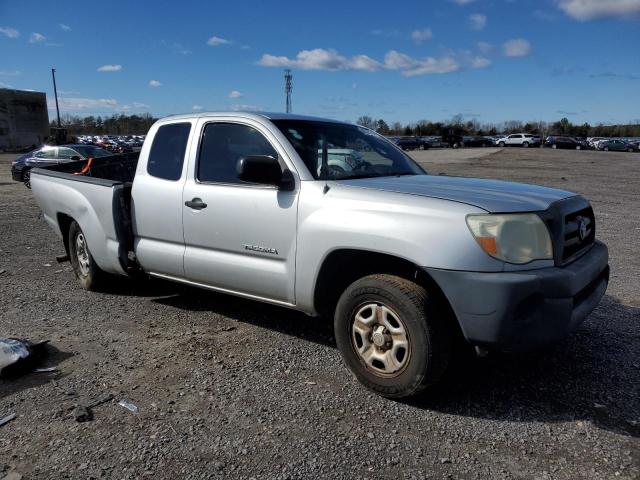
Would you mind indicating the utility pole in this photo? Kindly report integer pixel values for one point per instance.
(55, 92)
(287, 88)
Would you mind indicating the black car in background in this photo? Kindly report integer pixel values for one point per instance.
(51, 155)
(476, 141)
(615, 145)
(558, 141)
(411, 143)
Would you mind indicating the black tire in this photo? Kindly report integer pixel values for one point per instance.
(89, 275)
(501, 144)
(629, 150)
(554, 146)
(428, 337)
(606, 149)
(525, 144)
(26, 177)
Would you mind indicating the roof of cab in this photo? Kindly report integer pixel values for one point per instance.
(268, 115)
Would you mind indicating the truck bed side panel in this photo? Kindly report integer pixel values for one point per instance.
(90, 203)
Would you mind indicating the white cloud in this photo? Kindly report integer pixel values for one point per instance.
(64, 27)
(140, 105)
(590, 9)
(215, 41)
(110, 68)
(420, 36)
(10, 32)
(485, 47)
(36, 38)
(235, 94)
(321, 59)
(197, 108)
(480, 62)
(155, 83)
(244, 108)
(518, 47)
(462, 2)
(78, 103)
(478, 21)
(10, 73)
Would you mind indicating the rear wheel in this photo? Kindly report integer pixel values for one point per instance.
(85, 268)
(26, 177)
(606, 149)
(391, 335)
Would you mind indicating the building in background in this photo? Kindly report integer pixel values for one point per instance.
(24, 119)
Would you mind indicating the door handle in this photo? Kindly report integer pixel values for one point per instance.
(196, 204)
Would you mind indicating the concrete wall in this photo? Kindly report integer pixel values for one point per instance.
(24, 119)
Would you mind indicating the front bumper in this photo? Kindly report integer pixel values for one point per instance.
(16, 174)
(524, 310)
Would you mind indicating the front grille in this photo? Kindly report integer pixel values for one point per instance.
(565, 219)
(579, 233)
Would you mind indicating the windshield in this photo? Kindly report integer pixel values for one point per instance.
(335, 151)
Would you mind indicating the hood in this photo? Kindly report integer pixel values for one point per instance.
(494, 196)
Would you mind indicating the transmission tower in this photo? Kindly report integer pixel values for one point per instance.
(287, 87)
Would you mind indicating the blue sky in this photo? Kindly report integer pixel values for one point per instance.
(492, 60)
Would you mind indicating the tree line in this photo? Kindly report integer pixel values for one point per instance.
(473, 127)
(139, 124)
(113, 125)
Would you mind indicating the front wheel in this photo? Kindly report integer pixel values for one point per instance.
(525, 144)
(606, 149)
(84, 267)
(554, 146)
(391, 335)
(26, 178)
(501, 144)
(578, 147)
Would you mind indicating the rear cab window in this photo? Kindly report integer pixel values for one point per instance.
(166, 156)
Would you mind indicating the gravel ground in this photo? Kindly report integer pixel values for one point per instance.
(228, 388)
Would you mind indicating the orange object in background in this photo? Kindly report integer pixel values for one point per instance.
(86, 168)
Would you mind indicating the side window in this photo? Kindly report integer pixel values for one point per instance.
(167, 151)
(47, 153)
(223, 144)
(67, 153)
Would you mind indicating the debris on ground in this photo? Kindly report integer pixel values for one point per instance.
(45, 370)
(129, 406)
(107, 397)
(18, 357)
(12, 476)
(7, 418)
(82, 414)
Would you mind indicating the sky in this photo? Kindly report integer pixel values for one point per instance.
(488, 60)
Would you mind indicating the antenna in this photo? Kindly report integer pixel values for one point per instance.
(287, 88)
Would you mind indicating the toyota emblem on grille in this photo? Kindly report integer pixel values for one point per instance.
(582, 229)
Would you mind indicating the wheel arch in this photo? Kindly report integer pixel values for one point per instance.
(341, 267)
(64, 224)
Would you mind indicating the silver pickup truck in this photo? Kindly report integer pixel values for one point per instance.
(332, 219)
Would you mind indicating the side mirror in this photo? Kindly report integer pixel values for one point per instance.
(265, 170)
(75, 157)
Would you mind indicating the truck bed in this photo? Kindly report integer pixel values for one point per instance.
(97, 195)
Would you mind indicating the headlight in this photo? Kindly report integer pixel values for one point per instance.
(514, 238)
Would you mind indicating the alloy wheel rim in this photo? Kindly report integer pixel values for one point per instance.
(380, 340)
(82, 254)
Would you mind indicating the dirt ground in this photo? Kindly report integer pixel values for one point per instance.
(228, 388)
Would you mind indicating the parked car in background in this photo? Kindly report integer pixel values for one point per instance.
(593, 141)
(558, 141)
(519, 140)
(615, 145)
(51, 155)
(635, 146)
(411, 143)
(434, 142)
(476, 141)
